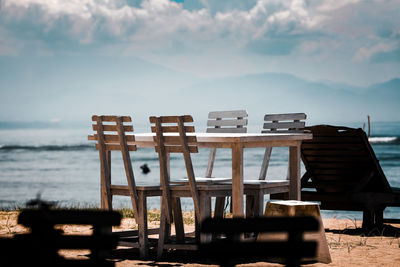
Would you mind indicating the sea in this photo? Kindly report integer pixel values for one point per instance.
(60, 165)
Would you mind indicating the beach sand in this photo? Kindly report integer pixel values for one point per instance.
(348, 246)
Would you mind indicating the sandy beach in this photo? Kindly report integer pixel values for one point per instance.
(348, 246)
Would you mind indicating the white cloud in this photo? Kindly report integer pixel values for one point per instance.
(365, 53)
(331, 5)
(165, 32)
(160, 20)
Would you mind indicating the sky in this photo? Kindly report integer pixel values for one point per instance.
(53, 49)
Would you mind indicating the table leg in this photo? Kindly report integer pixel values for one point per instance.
(105, 183)
(205, 209)
(237, 180)
(294, 172)
(143, 229)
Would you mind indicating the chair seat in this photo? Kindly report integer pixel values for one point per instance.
(201, 187)
(203, 180)
(123, 190)
(263, 184)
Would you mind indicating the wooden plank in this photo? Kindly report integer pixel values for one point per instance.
(336, 171)
(227, 114)
(189, 169)
(210, 164)
(111, 138)
(294, 172)
(105, 168)
(226, 130)
(178, 220)
(282, 131)
(115, 147)
(112, 118)
(240, 122)
(344, 158)
(353, 147)
(178, 149)
(173, 129)
(112, 128)
(171, 119)
(335, 177)
(175, 140)
(284, 125)
(336, 165)
(119, 190)
(237, 180)
(283, 117)
(340, 153)
(205, 209)
(336, 139)
(166, 218)
(265, 163)
(142, 226)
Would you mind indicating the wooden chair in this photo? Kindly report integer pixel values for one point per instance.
(343, 173)
(232, 121)
(171, 137)
(41, 245)
(233, 249)
(113, 133)
(256, 189)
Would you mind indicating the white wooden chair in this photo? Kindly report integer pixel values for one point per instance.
(113, 133)
(201, 193)
(256, 189)
(233, 121)
(230, 121)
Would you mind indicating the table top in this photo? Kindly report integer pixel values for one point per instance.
(228, 139)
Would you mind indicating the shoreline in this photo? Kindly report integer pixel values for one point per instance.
(347, 244)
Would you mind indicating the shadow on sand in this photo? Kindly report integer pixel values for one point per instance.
(385, 230)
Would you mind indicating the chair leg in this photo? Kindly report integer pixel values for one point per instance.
(178, 220)
(249, 205)
(205, 212)
(164, 232)
(379, 217)
(143, 228)
(219, 207)
(368, 219)
(255, 204)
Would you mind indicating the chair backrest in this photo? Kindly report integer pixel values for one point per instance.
(340, 159)
(113, 133)
(232, 247)
(289, 122)
(233, 121)
(280, 123)
(171, 137)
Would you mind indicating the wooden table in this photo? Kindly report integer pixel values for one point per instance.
(238, 142)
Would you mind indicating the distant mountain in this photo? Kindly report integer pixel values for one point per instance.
(390, 89)
(280, 93)
(70, 89)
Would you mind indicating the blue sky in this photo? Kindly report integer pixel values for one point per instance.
(49, 47)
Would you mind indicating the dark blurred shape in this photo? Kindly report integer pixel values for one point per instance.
(40, 246)
(145, 168)
(39, 203)
(229, 245)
